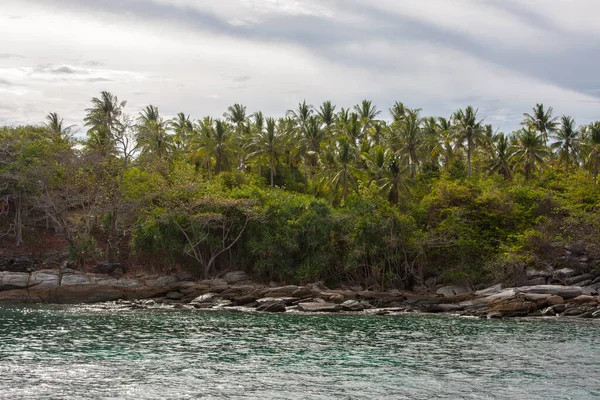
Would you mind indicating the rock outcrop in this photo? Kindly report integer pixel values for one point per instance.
(236, 292)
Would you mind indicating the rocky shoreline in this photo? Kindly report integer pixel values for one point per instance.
(235, 291)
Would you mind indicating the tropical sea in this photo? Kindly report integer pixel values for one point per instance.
(77, 352)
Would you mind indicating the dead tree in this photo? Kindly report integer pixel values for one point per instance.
(201, 249)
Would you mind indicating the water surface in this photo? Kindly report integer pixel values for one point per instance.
(75, 352)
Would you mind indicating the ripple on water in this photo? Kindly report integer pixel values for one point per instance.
(92, 352)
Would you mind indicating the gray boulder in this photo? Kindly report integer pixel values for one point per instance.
(174, 295)
(557, 290)
(288, 291)
(577, 311)
(206, 298)
(565, 273)
(532, 273)
(536, 281)
(451, 290)
(156, 281)
(222, 303)
(235, 277)
(579, 278)
(504, 294)
(44, 279)
(184, 276)
(473, 304)
(286, 301)
(13, 280)
(72, 278)
(352, 305)
(101, 280)
(489, 291)
(535, 296)
(592, 290)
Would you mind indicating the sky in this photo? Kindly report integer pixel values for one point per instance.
(199, 57)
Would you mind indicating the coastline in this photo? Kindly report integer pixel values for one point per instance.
(236, 292)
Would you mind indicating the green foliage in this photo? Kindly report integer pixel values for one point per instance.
(338, 196)
(84, 251)
(139, 184)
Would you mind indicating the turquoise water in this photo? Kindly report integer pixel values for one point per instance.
(57, 352)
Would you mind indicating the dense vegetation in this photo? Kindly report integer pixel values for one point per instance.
(339, 195)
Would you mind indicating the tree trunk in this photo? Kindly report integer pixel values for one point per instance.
(19, 217)
(469, 159)
(272, 173)
(345, 186)
(595, 171)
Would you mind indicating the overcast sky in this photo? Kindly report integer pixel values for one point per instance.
(199, 57)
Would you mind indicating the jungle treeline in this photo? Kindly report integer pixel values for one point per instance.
(381, 198)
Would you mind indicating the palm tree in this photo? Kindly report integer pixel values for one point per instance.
(218, 146)
(310, 143)
(350, 127)
(259, 121)
(183, 128)
(257, 127)
(378, 132)
(375, 162)
(103, 120)
(430, 132)
(593, 146)
(398, 111)
(470, 131)
(269, 142)
(529, 151)
(541, 120)
(387, 170)
(327, 117)
(152, 133)
(236, 114)
(326, 113)
(204, 130)
(343, 116)
(343, 170)
(567, 141)
(367, 113)
(408, 138)
(301, 114)
(501, 154)
(57, 130)
(394, 179)
(444, 145)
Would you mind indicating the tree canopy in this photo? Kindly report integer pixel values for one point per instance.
(323, 193)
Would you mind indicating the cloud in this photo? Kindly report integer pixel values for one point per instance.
(56, 70)
(64, 70)
(200, 57)
(9, 55)
(98, 80)
(243, 78)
